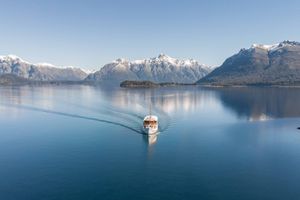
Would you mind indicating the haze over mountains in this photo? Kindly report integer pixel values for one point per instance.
(259, 65)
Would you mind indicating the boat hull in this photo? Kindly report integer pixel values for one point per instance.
(150, 130)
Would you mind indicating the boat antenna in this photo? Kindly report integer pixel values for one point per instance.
(150, 108)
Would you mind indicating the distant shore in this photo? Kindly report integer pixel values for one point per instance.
(150, 84)
(13, 80)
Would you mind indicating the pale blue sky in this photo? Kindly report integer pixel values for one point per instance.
(91, 33)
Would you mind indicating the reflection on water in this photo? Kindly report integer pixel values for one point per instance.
(165, 100)
(259, 104)
(127, 107)
(150, 139)
(252, 103)
(83, 138)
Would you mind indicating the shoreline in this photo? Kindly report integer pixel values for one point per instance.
(141, 84)
(150, 84)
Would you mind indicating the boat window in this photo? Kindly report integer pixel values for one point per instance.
(149, 123)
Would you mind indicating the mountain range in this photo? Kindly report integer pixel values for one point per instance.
(14, 65)
(159, 69)
(277, 64)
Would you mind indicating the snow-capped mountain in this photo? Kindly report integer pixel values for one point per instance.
(274, 47)
(12, 64)
(159, 69)
(260, 64)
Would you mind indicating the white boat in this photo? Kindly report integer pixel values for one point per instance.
(150, 124)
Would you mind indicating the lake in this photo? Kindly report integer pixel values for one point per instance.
(85, 142)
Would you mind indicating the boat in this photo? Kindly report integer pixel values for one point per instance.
(150, 123)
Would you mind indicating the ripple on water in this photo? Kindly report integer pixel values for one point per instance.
(111, 115)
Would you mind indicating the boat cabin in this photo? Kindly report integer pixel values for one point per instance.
(150, 121)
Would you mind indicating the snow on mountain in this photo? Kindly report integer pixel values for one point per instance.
(45, 65)
(264, 46)
(12, 64)
(158, 69)
(88, 71)
(259, 65)
(274, 47)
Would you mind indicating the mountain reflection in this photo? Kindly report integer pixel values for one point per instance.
(129, 106)
(252, 103)
(167, 100)
(258, 104)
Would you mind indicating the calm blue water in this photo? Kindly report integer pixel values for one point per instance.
(83, 142)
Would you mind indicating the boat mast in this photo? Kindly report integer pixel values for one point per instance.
(150, 109)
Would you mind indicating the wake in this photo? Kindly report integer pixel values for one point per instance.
(122, 118)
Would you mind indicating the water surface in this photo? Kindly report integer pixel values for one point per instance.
(83, 142)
